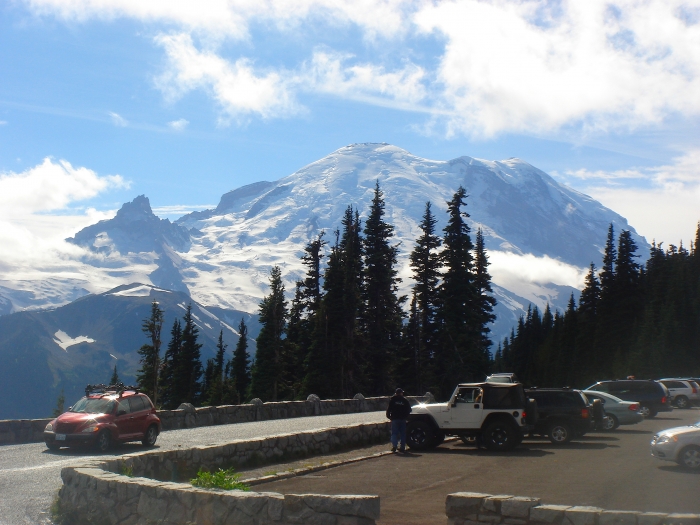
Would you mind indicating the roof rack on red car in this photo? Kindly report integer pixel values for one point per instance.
(118, 388)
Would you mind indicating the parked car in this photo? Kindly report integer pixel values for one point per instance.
(684, 392)
(617, 411)
(502, 378)
(653, 397)
(104, 416)
(564, 413)
(679, 444)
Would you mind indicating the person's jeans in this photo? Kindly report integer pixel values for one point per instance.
(398, 431)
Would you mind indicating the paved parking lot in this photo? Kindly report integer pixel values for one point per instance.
(610, 470)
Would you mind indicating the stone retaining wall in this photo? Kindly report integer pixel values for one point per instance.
(32, 430)
(98, 494)
(471, 508)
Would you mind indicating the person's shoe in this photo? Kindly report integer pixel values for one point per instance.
(402, 450)
(393, 449)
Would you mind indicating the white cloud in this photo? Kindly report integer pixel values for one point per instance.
(118, 120)
(51, 186)
(3, 123)
(237, 88)
(538, 66)
(511, 270)
(665, 208)
(179, 124)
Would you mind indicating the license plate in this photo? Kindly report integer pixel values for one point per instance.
(60, 437)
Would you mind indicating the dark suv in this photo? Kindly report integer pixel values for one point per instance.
(106, 415)
(564, 413)
(652, 396)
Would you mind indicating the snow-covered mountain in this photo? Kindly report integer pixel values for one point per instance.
(541, 235)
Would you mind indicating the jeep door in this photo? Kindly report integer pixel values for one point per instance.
(467, 407)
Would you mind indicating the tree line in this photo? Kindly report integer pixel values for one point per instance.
(631, 319)
(346, 330)
(179, 377)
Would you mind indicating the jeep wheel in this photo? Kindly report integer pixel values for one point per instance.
(560, 433)
(419, 435)
(103, 441)
(501, 436)
(149, 438)
(439, 439)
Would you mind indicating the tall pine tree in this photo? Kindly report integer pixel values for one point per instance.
(170, 397)
(147, 375)
(240, 364)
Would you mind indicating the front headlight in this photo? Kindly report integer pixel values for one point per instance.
(667, 439)
(91, 428)
(49, 428)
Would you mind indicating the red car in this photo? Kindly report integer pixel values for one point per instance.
(104, 417)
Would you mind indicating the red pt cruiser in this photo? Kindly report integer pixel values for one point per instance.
(105, 417)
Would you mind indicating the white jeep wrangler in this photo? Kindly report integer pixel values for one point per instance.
(496, 413)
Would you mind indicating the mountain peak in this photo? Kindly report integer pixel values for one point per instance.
(137, 210)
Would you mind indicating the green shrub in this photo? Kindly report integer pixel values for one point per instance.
(221, 479)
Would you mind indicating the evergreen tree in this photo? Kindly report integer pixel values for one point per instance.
(60, 405)
(240, 365)
(147, 375)
(115, 376)
(188, 374)
(425, 263)
(170, 397)
(459, 357)
(484, 300)
(382, 314)
(267, 373)
(214, 374)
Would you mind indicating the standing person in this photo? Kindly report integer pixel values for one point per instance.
(398, 411)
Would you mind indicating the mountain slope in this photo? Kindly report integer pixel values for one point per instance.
(42, 352)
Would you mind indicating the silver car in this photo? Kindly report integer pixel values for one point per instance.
(680, 444)
(617, 411)
(684, 392)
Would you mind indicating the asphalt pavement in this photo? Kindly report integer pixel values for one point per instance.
(613, 470)
(30, 474)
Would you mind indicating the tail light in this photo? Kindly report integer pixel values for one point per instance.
(663, 400)
(695, 390)
(634, 407)
(524, 414)
(584, 413)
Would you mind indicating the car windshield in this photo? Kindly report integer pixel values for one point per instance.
(94, 406)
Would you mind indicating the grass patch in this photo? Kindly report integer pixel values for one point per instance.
(127, 470)
(221, 479)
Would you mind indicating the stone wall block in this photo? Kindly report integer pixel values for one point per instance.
(515, 521)
(617, 517)
(582, 515)
(682, 519)
(518, 507)
(548, 514)
(464, 504)
(492, 504)
(651, 518)
(364, 506)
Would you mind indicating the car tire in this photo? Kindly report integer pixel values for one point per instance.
(150, 437)
(560, 433)
(501, 435)
(419, 435)
(439, 439)
(681, 402)
(103, 441)
(647, 411)
(689, 457)
(53, 446)
(609, 423)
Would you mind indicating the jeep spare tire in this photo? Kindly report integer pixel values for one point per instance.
(419, 435)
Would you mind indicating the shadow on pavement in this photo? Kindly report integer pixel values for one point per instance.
(471, 451)
(576, 445)
(679, 470)
(631, 431)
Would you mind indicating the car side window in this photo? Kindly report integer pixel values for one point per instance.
(469, 395)
(123, 407)
(136, 403)
(603, 387)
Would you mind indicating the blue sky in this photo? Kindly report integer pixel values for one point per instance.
(103, 100)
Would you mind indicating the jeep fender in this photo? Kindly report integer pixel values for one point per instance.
(500, 416)
(425, 417)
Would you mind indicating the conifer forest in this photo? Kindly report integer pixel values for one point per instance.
(346, 329)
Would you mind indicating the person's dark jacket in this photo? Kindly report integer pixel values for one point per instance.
(398, 408)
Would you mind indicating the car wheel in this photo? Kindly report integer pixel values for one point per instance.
(681, 402)
(610, 422)
(149, 438)
(689, 457)
(419, 435)
(52, 446)
(103, 441)
(560, 433)
(645, 411)
(439, 439)
(501, 436)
